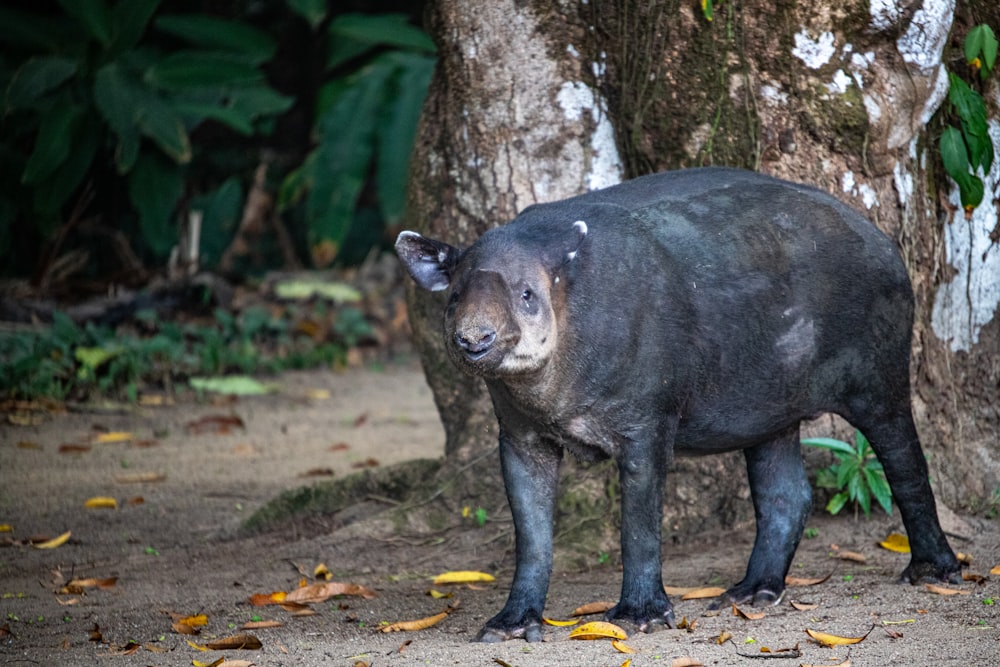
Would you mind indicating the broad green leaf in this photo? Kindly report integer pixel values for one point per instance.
(971, 192)
(968, 103)
(195, 69)
(385, 29)
(194, 112)
(92, 357)
(51, 194)
(981, 40)
(160, 123)
(831, 444)
(859, 489)
(115, 99)
(221, 210)
(34, 31)
(238, 385)
(255, 45)
(837, 503)
(307, 288)
(154, 187)
(37, 77)
(847, 471)
(53, 143)
(954, 155)
(343, 157)
(129, 19)
(879, 488)
(397, 130)
(94, 15)
(313, 11)
(258, 100)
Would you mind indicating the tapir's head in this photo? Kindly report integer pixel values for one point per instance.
(503, 293)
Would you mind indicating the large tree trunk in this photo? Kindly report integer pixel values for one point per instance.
(537, 100)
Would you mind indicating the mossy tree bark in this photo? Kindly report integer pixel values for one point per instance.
(536, 100)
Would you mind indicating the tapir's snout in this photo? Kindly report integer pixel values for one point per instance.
(476, 344)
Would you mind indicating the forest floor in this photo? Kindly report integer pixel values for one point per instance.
(186, 476)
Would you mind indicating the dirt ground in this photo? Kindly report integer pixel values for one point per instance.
(179, 551)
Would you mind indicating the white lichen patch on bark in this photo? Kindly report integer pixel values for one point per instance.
(577, 99)
(966, 303)
(814, 53)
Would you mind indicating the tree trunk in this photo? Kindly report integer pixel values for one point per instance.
(537, 100)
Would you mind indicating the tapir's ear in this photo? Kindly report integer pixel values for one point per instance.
(569, 244)
(428, 262)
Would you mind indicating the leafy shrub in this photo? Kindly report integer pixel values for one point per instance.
(857, 476)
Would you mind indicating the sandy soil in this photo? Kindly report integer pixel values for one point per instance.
(179, 552)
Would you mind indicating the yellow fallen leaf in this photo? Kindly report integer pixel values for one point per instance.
(995, 569)
(702, 593)
(420, 623)
(321, 571)
(592, 608)
(598, 630)
(264, 599)
(204, 663)
(944, 590)
(76, 586)
(627, 663)
(197, 647)
(140, 478)
(462, 577)
(113, 436)
(621, 646)
(896, 542)
(6, 528)
(195, 621)
(560, 624)
(54, 542)
(963, 558)
(723, 637)
(835, 640)
(438, 595)
(101, 502)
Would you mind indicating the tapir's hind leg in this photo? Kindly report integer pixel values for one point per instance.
(782, 502)
(893, 438)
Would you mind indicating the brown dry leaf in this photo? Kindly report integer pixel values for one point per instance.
(245, 642)
(367, 463)
(748, 615)
(101, 502)
(54, 542)
(68, 603)
(679, 590)
(404, 645)
(317, 472)
(297, 609)
(621, 646)
(71, 448)
(803, 606)
(183, 629)
(845, 663)
(835, 640)
(702, 593)
(5, 631)
(206, 663)
(264, 599)
(420, 623)
(560, 624)
(851, 556)
(805, 581)
(995, 570)
(112, 437)
(260, 625)
(896, 542)
(125, 649)
(324, 591)
(135, 500)
(592, 608)
(339, 447)
(360, 420)
(237, 663)
(153, 648)
(973, 577)
(723, 637)
(215, 424)
(462, 577)
(77, 586)
(140, 477)
(944, 590)
(95, 634)
(963, 558)
(686, 661)
(598, 630)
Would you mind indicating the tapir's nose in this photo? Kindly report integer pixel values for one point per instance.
(476, 343)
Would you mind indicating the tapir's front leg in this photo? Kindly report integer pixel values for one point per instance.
(643, 471)
(530, 473)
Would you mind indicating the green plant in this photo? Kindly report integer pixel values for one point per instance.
(366, 118)
(967, 150)
(857, 476)
(93, 95)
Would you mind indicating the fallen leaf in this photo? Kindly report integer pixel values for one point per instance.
(438, 595)
(204, 663)
(340, 447)
(77, 586)
(140, 477)
(217, 424)
(6, 528)
(54, 542)
(237, 663)
(964, 559)
(845, 663)
(245, 642)
(598, 630)
(323, 591)
(679, 590)
(804, 581)
(723, 637)
(803, 606)
(995, 570)
(264, 599)
(944, 590)
(420, 623)
(233, 385)
(462, 577)
(851, 556)
(196, 621)
(973, 577)
(183, 629)
(686, 661)
(318, 472)
(101, 502)
(95, 634)
(701, 593)
(748, 615)
(560, 624)
(71, 448)
(260, 625)
(156, 649)
(321, 571)
(592, 608)
(896, 542)
(904, 622)
(367, 463)
(685, 624)
(360, 420)
(404, 645)
(113, 437)
(128, 648)
(835, 640)
(627, 663)
(318, 394)
(621, 646)
(135, 500)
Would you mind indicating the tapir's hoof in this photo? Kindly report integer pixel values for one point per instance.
(496, 631)
(749, 594)
(949, 572)
(647, 616)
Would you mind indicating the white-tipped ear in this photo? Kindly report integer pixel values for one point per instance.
(429, 262)
(580, 227)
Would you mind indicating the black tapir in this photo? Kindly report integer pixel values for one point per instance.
(687, 312)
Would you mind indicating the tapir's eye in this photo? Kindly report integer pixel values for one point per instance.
(527, 295)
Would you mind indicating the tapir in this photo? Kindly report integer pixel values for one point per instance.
(683, 313)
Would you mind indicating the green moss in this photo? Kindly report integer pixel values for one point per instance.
(837, 119)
